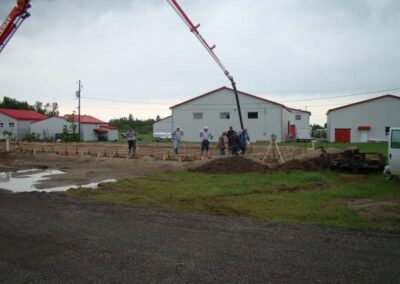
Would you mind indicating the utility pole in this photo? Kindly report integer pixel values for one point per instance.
(78, 94)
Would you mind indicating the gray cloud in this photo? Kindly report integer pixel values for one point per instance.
(141, 51)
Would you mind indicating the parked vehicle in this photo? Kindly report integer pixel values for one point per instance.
(159, 136)
(303, 134)
(393, 151)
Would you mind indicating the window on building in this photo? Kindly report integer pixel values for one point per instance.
(252, 115)
(224, 115)
(395, 141)
(1, 124)
(197, 115)
(11, 124)
(387, 128)
(298, 117)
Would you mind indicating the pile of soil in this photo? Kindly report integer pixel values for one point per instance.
(311, 164)
(231, 165)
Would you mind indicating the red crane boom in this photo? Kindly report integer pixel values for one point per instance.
(17, 15)
(194, 29)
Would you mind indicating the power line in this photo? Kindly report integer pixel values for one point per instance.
(124, 101)
(342, 96)
(284, 101)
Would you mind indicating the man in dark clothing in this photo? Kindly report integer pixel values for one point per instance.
(229, 134)
(221, 144)
(235, 144)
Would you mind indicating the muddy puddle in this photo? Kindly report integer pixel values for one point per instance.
(29, 180)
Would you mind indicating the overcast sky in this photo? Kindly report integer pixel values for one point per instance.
(141, 51)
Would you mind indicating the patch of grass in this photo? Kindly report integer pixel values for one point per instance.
(291, 197)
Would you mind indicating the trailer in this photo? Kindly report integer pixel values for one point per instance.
(355, 161)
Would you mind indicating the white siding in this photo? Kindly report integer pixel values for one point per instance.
(6, 120)
(163, 125)
(377, 114)
(48, 128)
(269, 121)
(88, 133)
(304, 121)
(112, 135)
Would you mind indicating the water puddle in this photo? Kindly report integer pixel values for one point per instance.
(28, 181)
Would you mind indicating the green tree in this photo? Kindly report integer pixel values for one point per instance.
(14, 104)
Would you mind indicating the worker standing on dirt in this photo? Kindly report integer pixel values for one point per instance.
(176, 139)
(131, 137)
(235, 144)
(244, 140)
(229, 134)
(206, 138)
(221, 144)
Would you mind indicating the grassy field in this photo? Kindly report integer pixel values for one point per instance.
(322, 198)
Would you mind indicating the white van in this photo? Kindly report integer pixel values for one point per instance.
(394, 150)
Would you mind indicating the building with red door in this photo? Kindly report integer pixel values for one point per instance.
(364, 121)
(299, 128)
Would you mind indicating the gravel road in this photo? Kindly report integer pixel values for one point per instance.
(46, 238)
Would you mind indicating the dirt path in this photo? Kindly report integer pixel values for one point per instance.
(83, 170)
(45, 238)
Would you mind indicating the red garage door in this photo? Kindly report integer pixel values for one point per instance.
(342, 135)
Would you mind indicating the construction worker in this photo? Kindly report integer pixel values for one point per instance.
(229, 134)
(244, 140)
(206, 138)
(221, 143)
(235, 144)
(131, 137)
(176, 139)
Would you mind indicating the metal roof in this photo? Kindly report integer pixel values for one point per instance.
(23, 114)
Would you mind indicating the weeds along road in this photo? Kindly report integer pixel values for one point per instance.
(46, 238)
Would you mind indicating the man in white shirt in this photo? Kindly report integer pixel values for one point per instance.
(205, 137)
(176, 139)
(131, 137)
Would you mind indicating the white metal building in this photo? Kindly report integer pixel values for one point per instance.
(299, 122)
(365, 120)
(18, 122)
(163, 126)
(49, 129)
(92, 129)
(217, 110)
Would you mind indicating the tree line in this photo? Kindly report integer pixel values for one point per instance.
(125, 123)
(48, 109)
(51, 109)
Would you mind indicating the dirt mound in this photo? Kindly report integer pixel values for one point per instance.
(311, 164)
(231, 165)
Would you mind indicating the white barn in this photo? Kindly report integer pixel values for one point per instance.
(92, 129)
(163, 126)
(299, 121)
(217, 110)
(50, 128)
(365, 120)
(18, 122)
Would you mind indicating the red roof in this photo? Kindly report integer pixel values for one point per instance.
(229, 89)
(100, 130)
(107, 126)
(86, 119)
(23, 114)
(365, 101)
